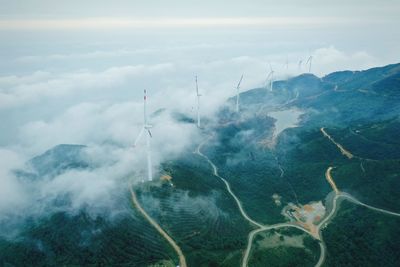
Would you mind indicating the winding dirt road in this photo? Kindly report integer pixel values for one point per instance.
(322, 255)
(260, 226)
(319, 227)
(330, 180)
(262, 229)
(182, 259)
(228, 187)
(356, 201)
(334, 209)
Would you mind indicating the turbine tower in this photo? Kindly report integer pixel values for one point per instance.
(309, 61)
(270, 78)
(198, 104)
(237, 94)
(146, 128)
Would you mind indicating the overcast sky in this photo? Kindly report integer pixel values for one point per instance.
(204, 8)
(74, 71)
(40, 27)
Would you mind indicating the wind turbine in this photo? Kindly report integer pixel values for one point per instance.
(237, 94)
(146, 128)
(198, 104)
(309, 61)
(270, 78)
(299, 65)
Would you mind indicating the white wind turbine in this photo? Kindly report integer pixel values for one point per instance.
(198, 104)
(309, 61)
(237, 94)
(270, 78)
(299, 65)
(146, 128)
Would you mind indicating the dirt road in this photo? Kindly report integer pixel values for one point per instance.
(260, 226)
(335, 207)
(182, 259)
(356, 201)
(317, 235)
(330, 180)
(266, 228)
(228, 187)
(344, 151)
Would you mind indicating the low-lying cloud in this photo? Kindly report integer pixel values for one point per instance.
(103, 110)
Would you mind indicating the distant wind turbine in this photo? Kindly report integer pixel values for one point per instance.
(146, 128)
(237, 94)
(270, 78)
(299, 65)
(198, 104)
(309, 61)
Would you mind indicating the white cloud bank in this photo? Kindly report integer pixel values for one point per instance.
(109, 132)
(103, 109)
(214, 75)
(12, 192)
(327, 59)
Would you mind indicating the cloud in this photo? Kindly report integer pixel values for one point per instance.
(103, 109)
(97, 189)
(17, 91)
(12, 191)
(100, 123)
(329, 59)
(109, 131)
(85, 123)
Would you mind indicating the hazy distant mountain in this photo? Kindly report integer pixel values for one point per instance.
(55, 161)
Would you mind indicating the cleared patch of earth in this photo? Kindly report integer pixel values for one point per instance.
(270, 240)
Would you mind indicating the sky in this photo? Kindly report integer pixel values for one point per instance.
(73, 72)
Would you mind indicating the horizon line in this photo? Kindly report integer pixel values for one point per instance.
(92, 23)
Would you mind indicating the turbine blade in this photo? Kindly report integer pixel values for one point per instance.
(138, 137)
(240, 81)
(269, 78)
(150, 133)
